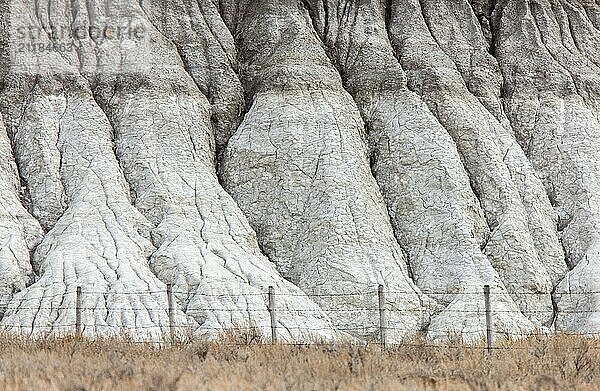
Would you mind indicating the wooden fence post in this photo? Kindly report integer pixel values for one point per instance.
(488, 318)
(272, 314)
(171, 305)
(78, 301)
(382, 325)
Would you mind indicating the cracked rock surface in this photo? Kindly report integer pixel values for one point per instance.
(321, 147)
(300, 152)
(19, 231)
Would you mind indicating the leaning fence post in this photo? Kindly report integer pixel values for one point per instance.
(171, 311)
(488, 318)
(272, 314)
(78, 312)
(382, 336)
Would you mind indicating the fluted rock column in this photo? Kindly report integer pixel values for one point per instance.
(20, 233)
(298, 168)
(116, 122)
(522, 245)
(436, 217)
(549, 51)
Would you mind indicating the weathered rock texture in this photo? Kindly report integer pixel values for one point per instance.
(322, 147)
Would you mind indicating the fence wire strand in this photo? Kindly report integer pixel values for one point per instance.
(66, 308)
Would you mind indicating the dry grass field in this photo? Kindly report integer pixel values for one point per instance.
(560, 362)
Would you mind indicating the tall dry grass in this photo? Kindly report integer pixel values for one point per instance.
(242, 363)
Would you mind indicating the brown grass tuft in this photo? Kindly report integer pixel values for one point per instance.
(245, 363)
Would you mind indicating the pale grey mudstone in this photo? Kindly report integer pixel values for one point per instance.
(522, 246)
(189, 233)
(20, 233)
(436, 217)
(429, 146)
(298, 168)
(549, 54)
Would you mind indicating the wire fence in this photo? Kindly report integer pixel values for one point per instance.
(76, 302)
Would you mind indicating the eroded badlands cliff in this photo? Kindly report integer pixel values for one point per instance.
(322, 147)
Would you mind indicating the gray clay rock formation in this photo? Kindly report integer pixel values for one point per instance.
(321, 147)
